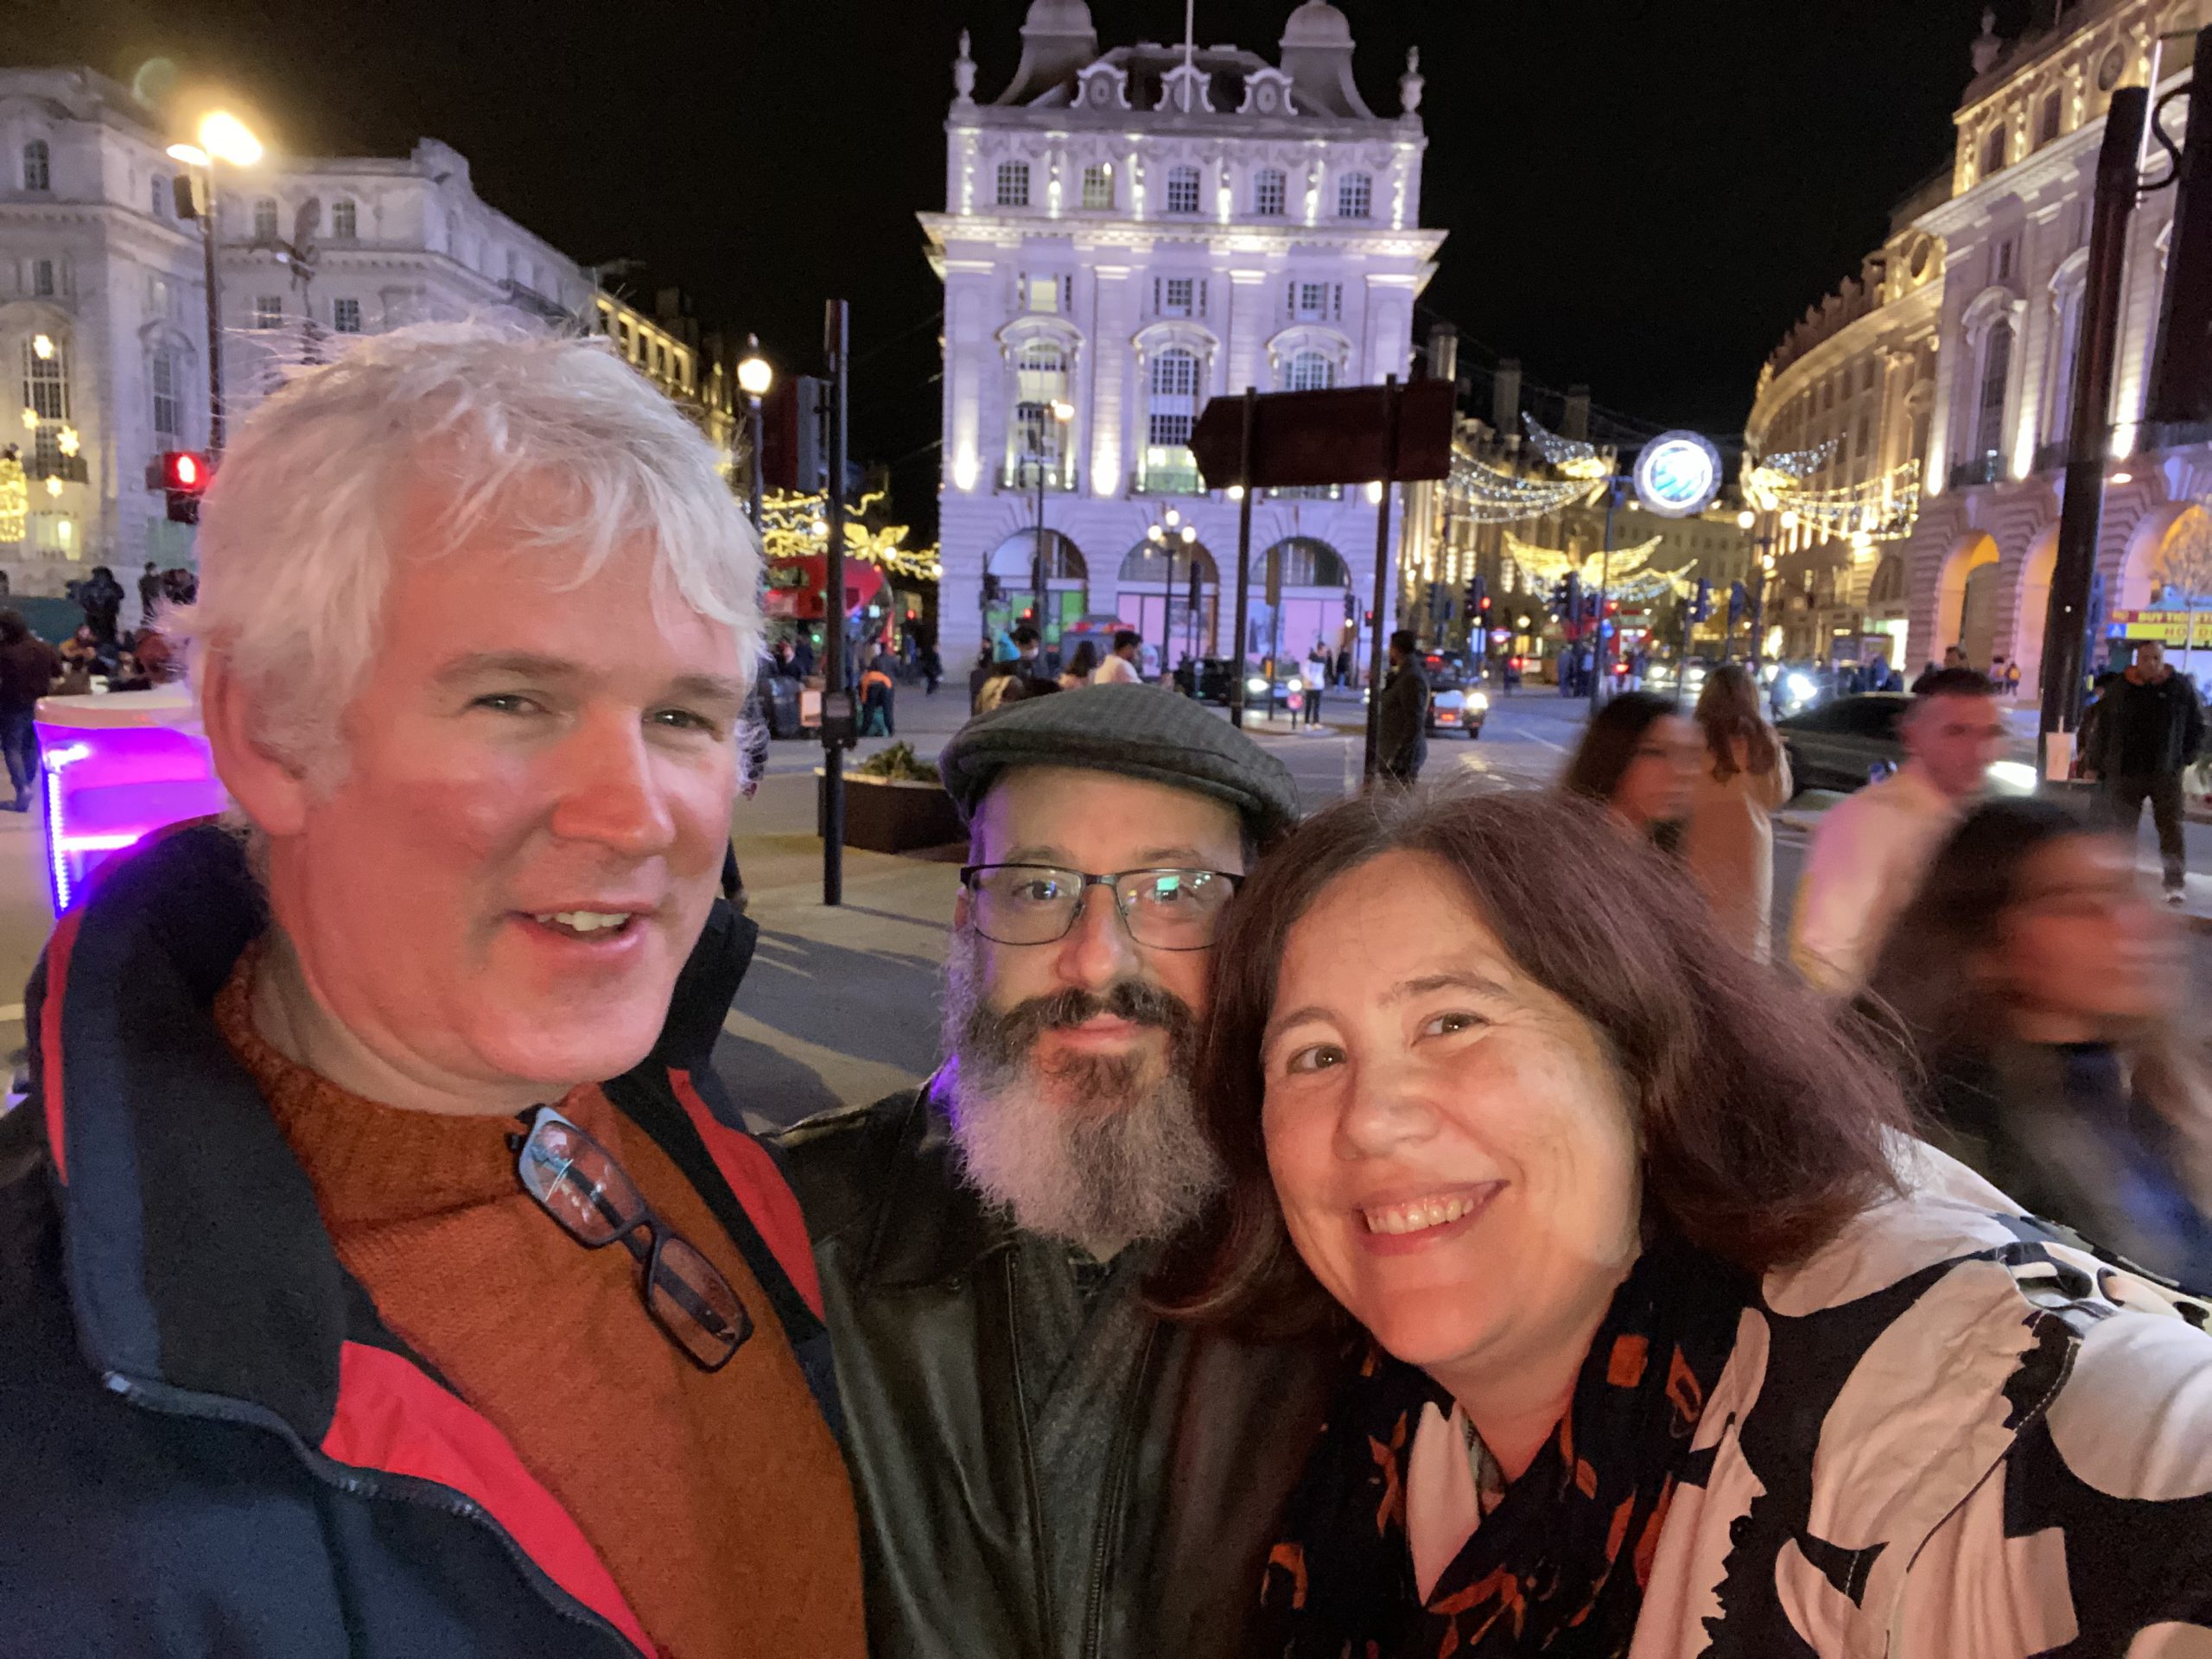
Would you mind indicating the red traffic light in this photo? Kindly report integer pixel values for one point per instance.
(185, 469)
(1483, 604)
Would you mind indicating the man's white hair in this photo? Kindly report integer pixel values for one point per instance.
(555, 440)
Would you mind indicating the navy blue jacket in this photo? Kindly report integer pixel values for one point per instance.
(209, 1442)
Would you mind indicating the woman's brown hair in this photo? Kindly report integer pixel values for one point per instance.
(1728, 713)
(1762, 1123)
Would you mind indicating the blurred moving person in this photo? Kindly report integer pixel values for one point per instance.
(1641, 758)
(1401, 718)
(1868, 855)
(1743, 780)
(1120, 666)
(2150, 725)
(2043, 987)
(29, 666)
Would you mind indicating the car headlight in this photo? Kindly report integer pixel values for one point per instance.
(1478, 700)
(1256, 687)
(2012, 777)
(1297, 685)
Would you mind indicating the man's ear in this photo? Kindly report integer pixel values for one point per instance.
(271, 791)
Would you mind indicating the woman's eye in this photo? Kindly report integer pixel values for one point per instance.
(1443, 1025)
(1322, 1057)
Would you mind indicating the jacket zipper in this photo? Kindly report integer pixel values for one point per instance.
(179, 1402)
(1044, 1567)
(1110, 1514)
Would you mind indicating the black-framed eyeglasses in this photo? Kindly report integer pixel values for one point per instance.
(577, 1181)
(1038, 904)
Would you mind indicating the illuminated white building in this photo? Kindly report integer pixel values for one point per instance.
(2013, 230)
(1127, 234)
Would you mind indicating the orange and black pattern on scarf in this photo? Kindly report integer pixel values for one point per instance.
(1560, 1565)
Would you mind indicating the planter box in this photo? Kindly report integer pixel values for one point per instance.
(882, 816)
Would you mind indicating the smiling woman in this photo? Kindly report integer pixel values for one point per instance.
(1634, 1236)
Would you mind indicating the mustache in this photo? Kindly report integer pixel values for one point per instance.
(1004, 1036)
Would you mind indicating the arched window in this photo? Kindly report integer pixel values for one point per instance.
(1014, 184)
(1182, 189)
(1267, 192)
(345, 219)
(159, 202)
(168, 399)
(1037, 437)
(2048, 117)
(38, 166)
(264, 219)
(1996, 380)
(45, 394)
(1309, 371)
(2061, 421)
(1307, 562)
(1355, 196)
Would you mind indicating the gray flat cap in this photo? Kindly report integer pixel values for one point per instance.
(1139, 731)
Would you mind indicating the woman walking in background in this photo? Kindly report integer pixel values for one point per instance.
(1081, 666)
(2042, 984)
(1640, 758)
(1745, 778)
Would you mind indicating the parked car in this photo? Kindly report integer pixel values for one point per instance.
(1847, 743)
(1209, 682)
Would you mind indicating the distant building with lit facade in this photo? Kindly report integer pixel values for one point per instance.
(103, 303)
(1972, 344)
(1127, 234)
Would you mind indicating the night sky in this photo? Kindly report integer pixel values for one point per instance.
(1641, 196)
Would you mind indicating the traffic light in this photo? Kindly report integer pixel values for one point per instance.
(1572, 598)
(184, 475)
(1478, 598)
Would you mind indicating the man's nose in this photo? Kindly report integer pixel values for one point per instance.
(609, 791)
(1097, 950)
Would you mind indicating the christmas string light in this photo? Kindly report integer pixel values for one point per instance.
(1881, 509)
(15, 497)
(794, 527)
(1483, 494)
(1790, 466)
(1569, 455)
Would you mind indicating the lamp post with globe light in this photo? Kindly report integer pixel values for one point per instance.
(222, 137)
(754, 377)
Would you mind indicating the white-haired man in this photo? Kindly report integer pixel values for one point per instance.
(1044, 1467)
(310, 1343)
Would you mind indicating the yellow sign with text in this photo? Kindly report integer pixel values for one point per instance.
(2181, 629)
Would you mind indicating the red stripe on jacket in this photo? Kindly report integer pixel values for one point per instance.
(392, 1417)
(49, 1038)
(761, 1190)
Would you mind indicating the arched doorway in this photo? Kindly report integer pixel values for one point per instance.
(1316, 590)
(1888, 605)
(1067, 582)
(1965, 599)
(2033, 610)
(1153, 593)
(2169, 567)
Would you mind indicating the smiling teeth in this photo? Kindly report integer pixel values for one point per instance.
(584, 921)
(1418, 1216)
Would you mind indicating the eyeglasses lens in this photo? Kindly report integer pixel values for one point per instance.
(583, 1188)
(1174, 910)
(1168, 910)
(695, 1305)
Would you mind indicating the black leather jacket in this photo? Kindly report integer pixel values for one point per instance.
(919, 1282)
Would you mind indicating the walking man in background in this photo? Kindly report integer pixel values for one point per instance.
(1120, 667)
(1869, 852)
(2150, 727)
(1401, 716)
(28, 667)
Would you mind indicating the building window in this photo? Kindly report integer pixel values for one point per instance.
(42, 278)
(1993, 151)
(1182, 189)
(168, 405)
(268, 311)
(1268, 190)
(1098, 186)
(54, 534)
(1014, 184)
(1041, 293)
(1173, 411)
(2004, 257)
(264, 219)
(1355, 196)
(159, 202)
(1996, 380)
(345, 316)
(2069, 345)
(45, 394)
(38, 166)
(1177, 296)
(345, 219)
(1317, 301)
(2047, 117)
(1310, 371)
(1866, 436)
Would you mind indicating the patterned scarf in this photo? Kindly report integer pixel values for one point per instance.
(1560, 1567)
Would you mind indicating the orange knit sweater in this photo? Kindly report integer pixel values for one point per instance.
(719, 1503)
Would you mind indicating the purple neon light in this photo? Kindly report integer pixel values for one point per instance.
(107, 788)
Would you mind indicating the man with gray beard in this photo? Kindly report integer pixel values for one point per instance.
(1046, 1468)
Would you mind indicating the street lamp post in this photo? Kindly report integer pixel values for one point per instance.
(754, 377)
(222, 137)
(1060, 413)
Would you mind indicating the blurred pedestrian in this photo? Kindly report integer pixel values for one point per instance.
(1954, 656)
(1641, 757)
(27, 668)
(1120, 665)
(933, 666)
(1744, 779)
(1868, 854)
(1401, 712)
(149, 593)
(877, 687)
(100, 597)
(2044, 989)
(2150, 727)
(1081, 666)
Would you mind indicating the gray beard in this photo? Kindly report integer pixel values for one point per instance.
(1088, 1150)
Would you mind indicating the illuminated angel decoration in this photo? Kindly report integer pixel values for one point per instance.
(1569, 455)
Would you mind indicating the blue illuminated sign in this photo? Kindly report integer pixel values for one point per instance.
(1677, 474)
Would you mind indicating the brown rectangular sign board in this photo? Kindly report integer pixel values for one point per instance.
(1301, 439)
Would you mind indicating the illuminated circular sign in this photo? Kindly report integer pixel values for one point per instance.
(1677, 474)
